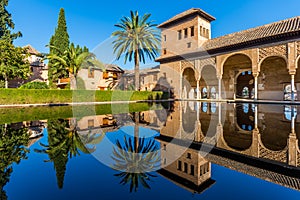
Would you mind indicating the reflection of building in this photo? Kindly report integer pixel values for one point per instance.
(96, 124)
(258, 63)
(259, 140)
(38, 68)
(35, 130)
(188, 170)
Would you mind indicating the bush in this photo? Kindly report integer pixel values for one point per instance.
(35, 85)
(2, 84)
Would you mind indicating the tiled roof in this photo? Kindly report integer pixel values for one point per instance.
(291, 25)
(113, 68)
(145, 71)
(31, 50)
(186, 14)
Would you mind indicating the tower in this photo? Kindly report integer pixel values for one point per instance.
(185, 32)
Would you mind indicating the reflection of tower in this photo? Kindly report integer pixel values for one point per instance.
(190, 170)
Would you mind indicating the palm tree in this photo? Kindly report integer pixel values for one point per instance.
(136, 38)
(135, 165)
(74, 59)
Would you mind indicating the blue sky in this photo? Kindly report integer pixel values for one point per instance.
(91, 22)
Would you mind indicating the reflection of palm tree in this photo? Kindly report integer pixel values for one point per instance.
(12, 150)
(136, 162)
(64, 142)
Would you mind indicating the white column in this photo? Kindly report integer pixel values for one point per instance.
(219, 88)
(256, 118)
(255, 87)
(293, 87)
(198, 89)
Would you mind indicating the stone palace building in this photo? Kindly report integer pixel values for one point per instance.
(258, 63)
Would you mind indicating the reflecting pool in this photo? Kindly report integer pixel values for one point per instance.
(179, 150)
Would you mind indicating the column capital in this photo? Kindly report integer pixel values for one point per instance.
(255, 74)
(292, 72)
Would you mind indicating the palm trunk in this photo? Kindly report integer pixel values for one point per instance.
(6, 82)
(136, 131)
(137, 70)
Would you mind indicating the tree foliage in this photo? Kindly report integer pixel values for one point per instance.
(60, 40)
(135, 163)
(137, 39)
(12, 150)
(12, 62)
(6, 23)
(64, 142)
(73, 59)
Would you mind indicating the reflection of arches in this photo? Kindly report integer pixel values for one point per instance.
(245, 117)
(208, 81)
(189, 118)
(238, 141)
(189, 83)
(204, 107)
(270, 139)
(209, 119)
(272, 78)
(213, 107)
(234, 65)
(234, 136)
(290, 112)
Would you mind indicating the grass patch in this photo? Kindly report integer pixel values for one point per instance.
(36, 96)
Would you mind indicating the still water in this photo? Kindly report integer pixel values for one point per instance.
(179, 150)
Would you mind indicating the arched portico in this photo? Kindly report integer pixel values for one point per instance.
(208, 82)
(273, 78)
(233, 68)
(189, 83)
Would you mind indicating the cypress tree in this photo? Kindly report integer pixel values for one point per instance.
(6, 23)
(60, 40)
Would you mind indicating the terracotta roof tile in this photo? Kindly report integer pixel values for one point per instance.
(270, 30)
(31, 50)
(114, 68)
(188, 13)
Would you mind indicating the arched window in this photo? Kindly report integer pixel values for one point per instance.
(204, 93)
(288, 92)
(245, 92)
(213, 93)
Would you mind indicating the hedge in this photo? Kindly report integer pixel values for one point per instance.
(40, 96)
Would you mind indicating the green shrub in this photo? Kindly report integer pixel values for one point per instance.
(2, 84)
(35, 85)
(28, 96)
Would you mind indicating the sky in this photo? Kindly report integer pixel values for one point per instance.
(91, 22)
